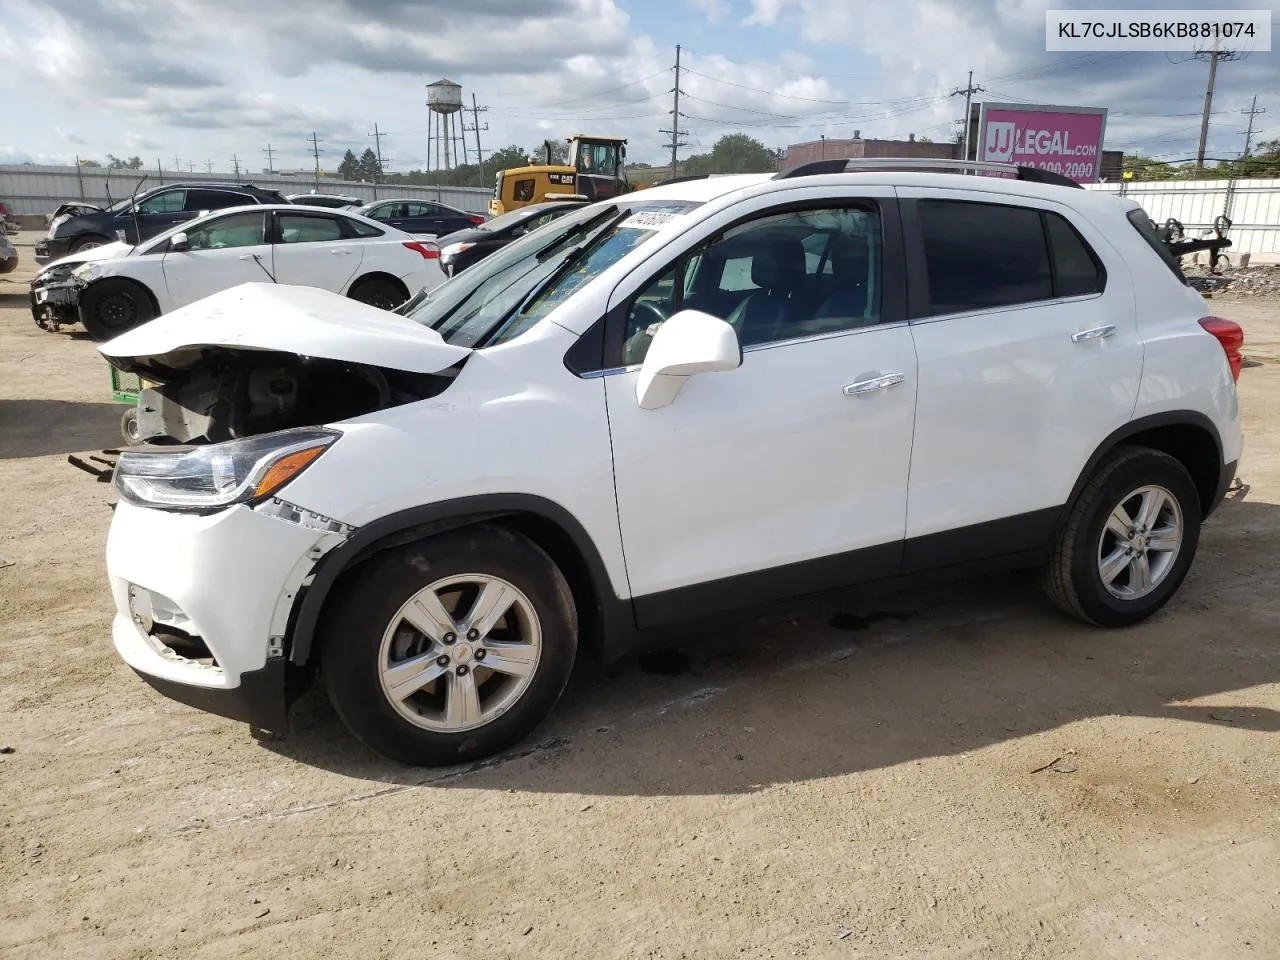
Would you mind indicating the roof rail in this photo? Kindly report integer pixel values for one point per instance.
(855, 164)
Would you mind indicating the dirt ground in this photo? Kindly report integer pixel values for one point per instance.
(959, 772)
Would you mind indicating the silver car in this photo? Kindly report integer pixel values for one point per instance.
(8, 254)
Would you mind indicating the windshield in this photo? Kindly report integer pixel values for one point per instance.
(504, 295)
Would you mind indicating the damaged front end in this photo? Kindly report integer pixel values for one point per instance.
(232, 394)
(55, 297)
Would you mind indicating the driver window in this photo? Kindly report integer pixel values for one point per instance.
(237, 230)
(793, 275)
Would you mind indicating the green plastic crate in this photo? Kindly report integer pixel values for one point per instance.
(125, 387)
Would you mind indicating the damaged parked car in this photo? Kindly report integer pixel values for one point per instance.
(78, 226)
(113, 288)
(661, 409)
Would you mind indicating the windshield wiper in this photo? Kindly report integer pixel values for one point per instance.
(608, 213)
(614, 216)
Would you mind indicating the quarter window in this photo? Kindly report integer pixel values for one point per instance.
(1075, 269)
(799, 274)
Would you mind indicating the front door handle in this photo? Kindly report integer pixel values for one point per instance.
(248, 256)
(339, 253)
(1097, 333)
(874, 384)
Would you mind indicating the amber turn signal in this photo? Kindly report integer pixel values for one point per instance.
(285, 469)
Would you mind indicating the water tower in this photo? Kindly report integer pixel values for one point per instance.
(445, 140)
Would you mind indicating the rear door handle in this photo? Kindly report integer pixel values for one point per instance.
(248, 256)
(339, 253)
(876, 383)
(1097, 333)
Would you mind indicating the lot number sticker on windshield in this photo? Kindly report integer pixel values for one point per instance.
(649, 220)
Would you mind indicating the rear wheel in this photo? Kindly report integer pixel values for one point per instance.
(112, 306)
(1128, 540)
(379, 292)
(450, 649)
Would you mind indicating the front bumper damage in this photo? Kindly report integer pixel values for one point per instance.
(204, 603)
(55, 299)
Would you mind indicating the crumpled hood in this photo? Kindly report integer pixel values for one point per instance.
(305, 321)
(108, 251)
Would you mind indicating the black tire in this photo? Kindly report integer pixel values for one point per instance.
(81, 244)
(379, 292)
(363, 610)
(129, 425)
(110, 307)
(1073, 578)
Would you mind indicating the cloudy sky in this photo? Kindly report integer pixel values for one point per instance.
(203, 80)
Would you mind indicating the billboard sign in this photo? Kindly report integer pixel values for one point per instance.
(1063, 140)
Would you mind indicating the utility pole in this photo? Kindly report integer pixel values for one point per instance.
(377, 140)
(208, 166)
(1253, 111)
(475, 128)
(177, 164)
(271, 167)
(1213, 56)
(235, 161)
(676, 142)
(968, 90)
(315, 152)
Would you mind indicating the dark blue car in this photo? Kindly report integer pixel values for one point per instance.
(420, 216)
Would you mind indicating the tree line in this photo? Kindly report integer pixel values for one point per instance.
(1263, 162)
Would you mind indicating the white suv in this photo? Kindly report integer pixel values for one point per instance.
(675, 404)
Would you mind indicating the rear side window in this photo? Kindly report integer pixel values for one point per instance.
(982, 255)
(216, 199)
(1142, 223)
(985, 255)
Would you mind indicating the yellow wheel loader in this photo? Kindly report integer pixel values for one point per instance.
(594, 172)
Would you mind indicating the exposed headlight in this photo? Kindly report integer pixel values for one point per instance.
(57, 222)
(453, 249)
(87, 272)
(220, 474)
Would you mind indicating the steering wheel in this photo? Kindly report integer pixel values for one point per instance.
(645, 314)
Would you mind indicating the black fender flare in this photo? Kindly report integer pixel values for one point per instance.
(416, 523)
(1172, 418)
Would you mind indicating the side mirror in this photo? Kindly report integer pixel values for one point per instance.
(178, 242)
(689, 342)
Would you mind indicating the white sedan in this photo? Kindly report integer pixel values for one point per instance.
(115, 287)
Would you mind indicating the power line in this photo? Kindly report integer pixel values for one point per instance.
(772, 93)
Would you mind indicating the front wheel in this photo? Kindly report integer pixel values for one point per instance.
(450, 649)
(1128, 540)
(110, 307)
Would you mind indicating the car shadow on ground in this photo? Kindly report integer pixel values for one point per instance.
(39, 428)
(922, 674)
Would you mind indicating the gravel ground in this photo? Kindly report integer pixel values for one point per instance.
(947, 773)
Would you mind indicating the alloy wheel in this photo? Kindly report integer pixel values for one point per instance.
(1140, 542)
(460, 652)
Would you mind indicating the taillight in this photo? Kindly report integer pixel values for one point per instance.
(1231, 336)
(428, 249)
(4, 211)
(477, 221)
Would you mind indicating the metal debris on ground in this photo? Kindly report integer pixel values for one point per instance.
(1260, 280)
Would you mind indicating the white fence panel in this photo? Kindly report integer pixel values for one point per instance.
(29, 189)
(1253, 206)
